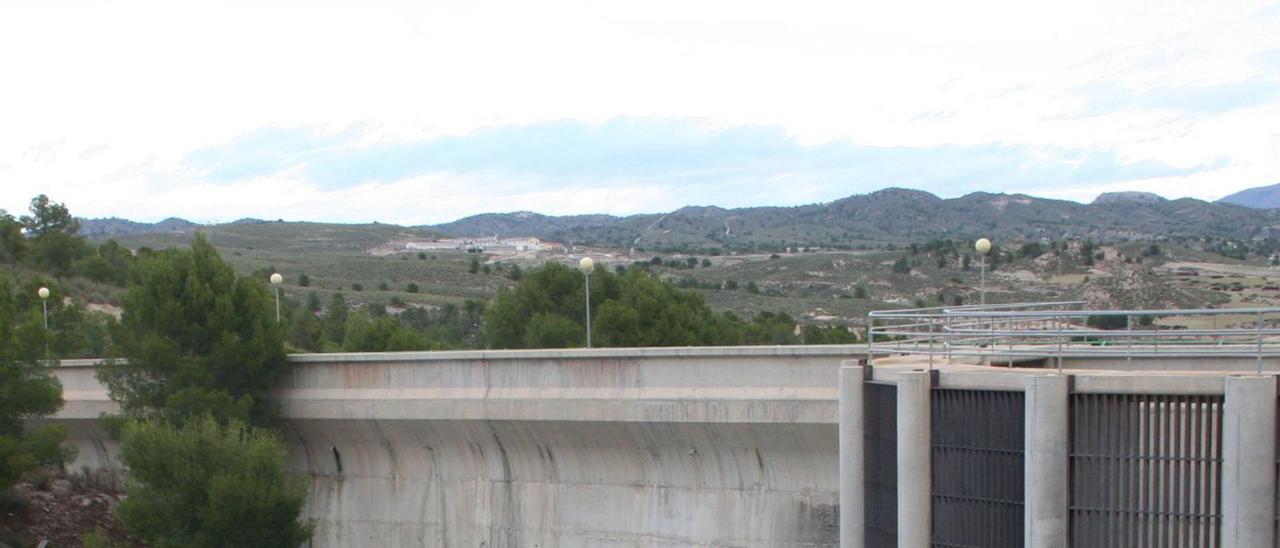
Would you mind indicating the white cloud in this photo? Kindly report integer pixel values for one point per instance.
(102, 103)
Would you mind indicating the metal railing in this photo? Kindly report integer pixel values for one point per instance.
(1034, 331)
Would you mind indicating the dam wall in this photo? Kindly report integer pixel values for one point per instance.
(730, 446)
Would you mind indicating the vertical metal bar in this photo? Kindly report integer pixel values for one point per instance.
(1259, 326)
(1176, 469)
(982, 268)
(1128, 337)
(930, 320)
(871, 337)
(1009, 328)
(1148, 473)
(946, 339)
(1155, 334)
(588, 276)
(1197, 479)
(1164, 461)
(1062, 334)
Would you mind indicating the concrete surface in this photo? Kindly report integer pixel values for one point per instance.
(852, 455)
(611, 447)
(1046, 484)
(1249, 462)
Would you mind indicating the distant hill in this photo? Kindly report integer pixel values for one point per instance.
(891, 215)
(1262, 197)
(290, 237)
(113, 226)
(1128, 197)
(894, 215)
(523, 223)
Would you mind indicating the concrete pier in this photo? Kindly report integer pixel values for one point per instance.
(852, 456)
(914, 455)
(1249, 462)
(1046, 462)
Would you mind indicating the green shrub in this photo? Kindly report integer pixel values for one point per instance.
(206, 485)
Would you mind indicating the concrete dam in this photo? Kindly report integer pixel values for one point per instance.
(996, 426)
(607, 447)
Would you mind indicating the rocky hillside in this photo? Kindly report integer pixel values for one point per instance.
(895, 215)
(113, 226)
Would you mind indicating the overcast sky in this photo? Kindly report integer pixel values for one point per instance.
(428, 111)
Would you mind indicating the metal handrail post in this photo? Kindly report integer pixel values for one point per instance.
(930, 344)
(871, 338)
(1259, 327)
(1128, 327)
(946, 338)
(1062, 334)
(1155, 336)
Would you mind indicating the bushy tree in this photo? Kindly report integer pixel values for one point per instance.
(383, 333)
(305, 332)
(13, 245)
(335, 319)
(649, 312)
(73, 331)
(108, 263)
(770, 328)
(632, 309)
(195, 339)
(55, 240)
(203, 484)
(836, 334)
(27, 390)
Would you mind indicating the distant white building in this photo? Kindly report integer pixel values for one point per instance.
(493, 243)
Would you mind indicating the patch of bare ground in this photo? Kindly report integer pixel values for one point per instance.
(60, 511)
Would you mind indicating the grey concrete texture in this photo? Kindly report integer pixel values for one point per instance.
(852, 456)
(613, 447)
(1249, 462)
(1046, 468)
(914, 460)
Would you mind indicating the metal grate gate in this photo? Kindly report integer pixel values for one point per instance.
(1146, 470)
(977, 474)
(880, 434)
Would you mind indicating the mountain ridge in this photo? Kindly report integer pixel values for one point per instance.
(892, 214)
(1259, 197)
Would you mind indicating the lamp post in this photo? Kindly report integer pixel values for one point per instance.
(276, 280)
(43, 292)
(587, 266)
(983, 246)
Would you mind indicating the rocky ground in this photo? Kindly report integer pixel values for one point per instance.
(59, 511)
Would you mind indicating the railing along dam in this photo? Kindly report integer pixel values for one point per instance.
(622, 447)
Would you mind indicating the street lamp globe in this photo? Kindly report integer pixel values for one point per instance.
(983, 246)
(277, 279)
(586, 265)
(43, 292)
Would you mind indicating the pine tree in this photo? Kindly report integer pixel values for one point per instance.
(195, 339)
